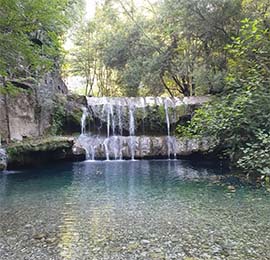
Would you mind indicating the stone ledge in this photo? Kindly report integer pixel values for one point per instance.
(145, 146)
(38, 151)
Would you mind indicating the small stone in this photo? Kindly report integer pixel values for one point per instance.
(231, 188)
(40, 236)
(145, 242)
(157, 250)
(96, 249)
(28, 226)
(51, 240)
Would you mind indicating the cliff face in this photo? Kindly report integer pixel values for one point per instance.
(28, 112)
(21, 119)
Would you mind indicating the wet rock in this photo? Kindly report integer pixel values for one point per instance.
(145, 242)
(38, 151)
(231, 188)
(3, 160)
(144, 146)
(40, 236)
(149, 111)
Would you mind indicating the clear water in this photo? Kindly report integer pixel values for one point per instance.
(130, 210)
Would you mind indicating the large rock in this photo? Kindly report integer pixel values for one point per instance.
(3, 159)
(22, 121)
(28, 112)
(35, 152)
(117, 147)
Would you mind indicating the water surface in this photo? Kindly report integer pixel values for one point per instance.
(131, 210)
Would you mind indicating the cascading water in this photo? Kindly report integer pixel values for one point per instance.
(119, 113)
(132, 130)
(144, 115)
(121, 116)
(170, 139)
(83, 120)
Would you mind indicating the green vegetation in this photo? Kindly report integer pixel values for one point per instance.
(31, 35)
(165, 47)
(58, 119)
(239, 117)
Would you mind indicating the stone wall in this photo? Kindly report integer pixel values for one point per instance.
(46, 150)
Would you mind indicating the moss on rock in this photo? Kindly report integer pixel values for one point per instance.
(35, 152)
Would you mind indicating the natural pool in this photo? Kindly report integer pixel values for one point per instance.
(131, 210)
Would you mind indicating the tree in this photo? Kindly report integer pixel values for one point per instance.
(239, 118)
(84, 56)
(31, 35)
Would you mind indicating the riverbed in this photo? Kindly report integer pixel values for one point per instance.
(159, 209)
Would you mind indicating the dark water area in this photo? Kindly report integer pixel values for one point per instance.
(131, 210)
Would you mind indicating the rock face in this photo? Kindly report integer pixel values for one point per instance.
(119, 147)
(3, 159)
(40, 151)
(28, 113)
(21, 117)
(32, 113)
(37, 152)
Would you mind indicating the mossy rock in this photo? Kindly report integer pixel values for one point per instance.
(34, 152)
(67, 113)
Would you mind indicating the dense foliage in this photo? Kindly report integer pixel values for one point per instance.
(239, 118)
(31, 35)
(164, 47)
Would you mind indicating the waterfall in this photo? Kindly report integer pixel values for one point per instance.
(106, 147)
(108, 111)
(171, 141)
(167, 116)
(113, 119)
(116, 117)
(144, 115)
(168, 127)
(83, 120)
(132, 141)
(119, 112)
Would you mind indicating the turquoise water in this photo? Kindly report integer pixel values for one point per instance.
(131, 210)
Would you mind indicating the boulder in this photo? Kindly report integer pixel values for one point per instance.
(38, 151)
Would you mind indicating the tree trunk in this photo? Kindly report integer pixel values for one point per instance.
(165, 85)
